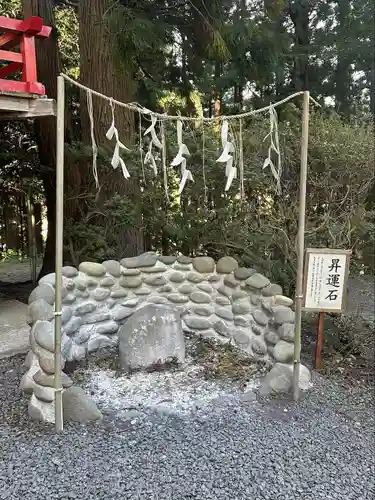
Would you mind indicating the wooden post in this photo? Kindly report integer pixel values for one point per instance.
(301, 244)
(319, 341)
(59, 247)
(31, 236)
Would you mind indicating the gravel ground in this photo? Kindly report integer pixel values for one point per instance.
(321, 448)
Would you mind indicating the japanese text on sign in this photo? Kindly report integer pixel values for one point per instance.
(326, 281)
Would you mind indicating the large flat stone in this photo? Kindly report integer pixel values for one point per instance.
(14, 330)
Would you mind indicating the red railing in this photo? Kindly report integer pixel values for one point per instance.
(22, 34)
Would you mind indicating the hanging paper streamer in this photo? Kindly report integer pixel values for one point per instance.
(180, 159)
(241, 162)
(274, 146)
(149, 158)
(164, 159)
(116, 159)
(93, 141)
(226, 155)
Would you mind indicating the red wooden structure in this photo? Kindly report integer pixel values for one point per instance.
(22, 34)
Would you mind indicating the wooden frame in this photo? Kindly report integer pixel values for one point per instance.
(14, 106)
(326, 251)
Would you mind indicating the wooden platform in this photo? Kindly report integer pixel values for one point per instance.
(17, 106)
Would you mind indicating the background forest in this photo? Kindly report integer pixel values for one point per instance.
(201, 57)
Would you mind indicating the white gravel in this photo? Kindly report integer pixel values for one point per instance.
(322, 448)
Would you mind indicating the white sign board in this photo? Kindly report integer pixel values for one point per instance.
(325, 279)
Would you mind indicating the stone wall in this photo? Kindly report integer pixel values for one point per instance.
(218, 300)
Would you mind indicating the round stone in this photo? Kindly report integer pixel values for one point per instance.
(142, 291)
(97, 317)
(183, 267)
(186, 289)
(107, 328)
(271, 337)
(197, 322)
(258, 330)
(287, 332)
(43, 332)
(195, 278)
(108, 282)
(118, 293)
(46, 394)
(69, 272)
(203, 311)
(81, 283)
(72, 326)
(130, 272)
(205, 288)
(226, 265)
(46, 360)
(222, 301)
(112, 267)
(224, 313)
(66, 314)
(82, 294)
(239, 294)
(177, 277)
(120, 312)
(165, 289)
(144, 260)
(200, 298)
(230, 281)
(214, 278)
(155, 280)
(260, 318)
(241, 338)
(222, 328)
(283, 315)
(271, 290)
(224, 290)
(87, 307)
(70, 298)
(92, 269)
(184, 260)
(131, 302)
(257, 281)
(100, 294)
(157, 269)
(92, 283)
(258, 345)
(283, 352)
(243, 321)
(256, 299)
(157, 300)
(130, 282)
(45, 380)
(204, 265)
(241, 307)
(40, 310)
(49, 279)
(242, 273)
(178, 298)
(84, 333)
(44, 291)
(167, 259)
(281, 300)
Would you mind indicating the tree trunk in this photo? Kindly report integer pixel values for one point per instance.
(343, 74)
(299, 14)
(102, 70)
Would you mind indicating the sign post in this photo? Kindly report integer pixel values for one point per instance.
(325, 286)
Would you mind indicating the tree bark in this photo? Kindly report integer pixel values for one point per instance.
(299, 14)
(343, 73)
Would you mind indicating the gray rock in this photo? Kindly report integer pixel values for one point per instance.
(271, 290)
(97, 317)
(130, 272)
(230, 281)
(82, 294)
(223, 301)
(70, 298)
(165, 289)
(222, 328)
(197, 322)
(40, 411)
(130, 281)
(142, 291)
(49, 380)
(205, 288)
(239, 294)
(224, 290)
(92, 269)
(100, 294)
(186, 289)
(204, 265)
(283, 314)
(153, 334)
(113, 267)
(77, 352)
(49, 279)
(44, 291)
(85, 308)
(44, 335)
(97, 342)
(256, 299)
(167, 259)
(271, 337)
(195, 277)
(283, 351)
(159, 268)
(257, 281)
(154, 299)
(241, 307)
(131, 302)
(184, 260)
(226, 265)
(281, 300)
(178, 298)
(203, 311)
(258, 345)
(200, 298)
(260, 317)
(107, 282)
(69, 271)
(79, 407)
(81, 283)
(155, 280)
(145, 260)
(268, 304)
(183, 267)
(40, 310)
(224, 313)
(177, 277)
(258, 330)
(244, 321)
(214, 278)
(242, 273)
(46, 360)
(241, 338)
(46, 394)
(84, 333)
(279, 379)
(286, 332)
(119, 293)
(66, 346)
(120, 312)
(72, 325)
(107, 328)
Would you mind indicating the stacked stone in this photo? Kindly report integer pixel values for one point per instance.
(219, 300)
